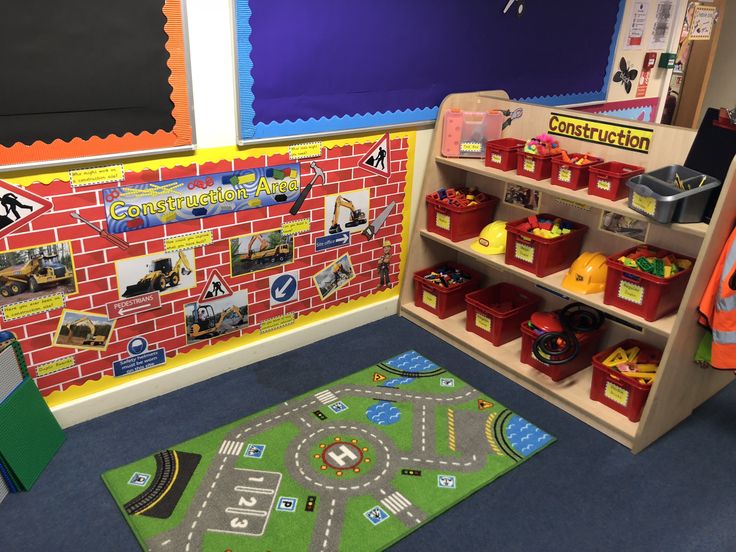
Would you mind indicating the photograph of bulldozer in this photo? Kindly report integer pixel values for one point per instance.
(82, 330)
(260, 251)
(25, 272)
(212, 319)
(162, 274)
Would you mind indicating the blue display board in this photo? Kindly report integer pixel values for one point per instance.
(314, 67)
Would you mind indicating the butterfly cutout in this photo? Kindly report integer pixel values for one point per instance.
(625, 75)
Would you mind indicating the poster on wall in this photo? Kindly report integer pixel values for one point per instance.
(217, 317)
(663, 15)
(152, 204)
(260, 251)
(20, 207)
(162, 272)
(347, 212)
(704, 19)
(636, 26)
(36, 279)
(334, 276)
(84, 330)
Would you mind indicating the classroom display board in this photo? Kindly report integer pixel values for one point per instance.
(113, 272)
(95, 78)
(307, 68)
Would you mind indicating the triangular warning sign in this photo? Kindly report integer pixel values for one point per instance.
(378, 377)
(378, 158)
(19, 207)
(215, 288)
(483, 405)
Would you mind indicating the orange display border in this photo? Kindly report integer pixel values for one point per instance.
(180, 135)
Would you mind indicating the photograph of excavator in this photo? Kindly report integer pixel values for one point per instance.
(334, 276)
(37, 271)
(162, 272)
(216, 318)
(347, 212)
(260, 251)
(84, 330)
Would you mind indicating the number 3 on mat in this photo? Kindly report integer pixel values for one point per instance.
(237, 523)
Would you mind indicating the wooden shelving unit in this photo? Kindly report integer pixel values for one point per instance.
(681, 385)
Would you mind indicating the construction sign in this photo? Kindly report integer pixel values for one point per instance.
(19, 207)
(378, 377)
(215, 288)
(484, 405)
(378, 158)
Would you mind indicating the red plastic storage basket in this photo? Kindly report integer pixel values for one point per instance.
(569, 175)
(622, 394)
(609, 179)
(502, 153)
(459, 223)
(542, 256)
(495, 312)
(538, 167)
(439, 300)
(641, 293)
(589, 344)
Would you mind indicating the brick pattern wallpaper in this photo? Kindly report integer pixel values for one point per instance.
(94, 257)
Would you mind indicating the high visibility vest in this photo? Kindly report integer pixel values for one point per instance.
(718, 308)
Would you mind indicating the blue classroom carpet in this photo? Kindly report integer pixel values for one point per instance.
(584, 493)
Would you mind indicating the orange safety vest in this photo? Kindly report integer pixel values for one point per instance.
(718, 308)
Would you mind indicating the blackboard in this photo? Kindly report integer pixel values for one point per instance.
(311, 67)
(83, 72)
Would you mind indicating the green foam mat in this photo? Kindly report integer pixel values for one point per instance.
(355, 465)
(29, 434)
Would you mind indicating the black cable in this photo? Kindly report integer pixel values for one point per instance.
(574, 318)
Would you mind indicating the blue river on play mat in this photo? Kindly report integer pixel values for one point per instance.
(410, 361)
(524, 436)
(383, 413)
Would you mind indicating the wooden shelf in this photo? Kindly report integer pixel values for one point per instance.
(663, 326)
(477, 166)
(571, 394)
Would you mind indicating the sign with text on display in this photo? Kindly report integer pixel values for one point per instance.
(331, 240)
(152, 204)
(599, 132)
(134, 305)
(140, 358)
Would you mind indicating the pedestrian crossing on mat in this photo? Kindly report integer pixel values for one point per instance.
(326, 396)
(231, 448)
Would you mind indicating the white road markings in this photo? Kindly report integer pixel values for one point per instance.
(231, 447)
(326, 396)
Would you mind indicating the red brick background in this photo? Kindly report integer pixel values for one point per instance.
(95, 271)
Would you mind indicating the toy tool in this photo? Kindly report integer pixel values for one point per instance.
(373, 228)
(318, 173)
(118, 242)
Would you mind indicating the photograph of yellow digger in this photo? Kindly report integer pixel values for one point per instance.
(163, 272)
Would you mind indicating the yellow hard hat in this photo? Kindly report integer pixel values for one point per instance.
(492, 239)
(587, 273)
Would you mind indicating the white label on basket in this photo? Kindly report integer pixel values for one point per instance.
(483, 322)
(630, 292)
(429, 299)
(442, 221)
(496, 158)
(529, 164)
(604, 185)
(564, 174)
(470, 147)
(647, 205)
(616, 393)
(524, 252)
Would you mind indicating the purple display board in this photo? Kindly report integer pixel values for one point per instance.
(313, 67)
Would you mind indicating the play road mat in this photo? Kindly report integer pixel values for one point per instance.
(355, 465)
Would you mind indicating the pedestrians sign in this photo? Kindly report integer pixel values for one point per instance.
(19, 207)
(333, 240)
(215, 288)
(284, 287)
(378, 158)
